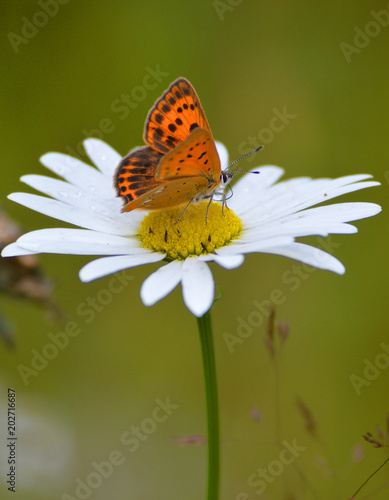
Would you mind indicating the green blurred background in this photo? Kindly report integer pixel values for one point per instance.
(244, 59)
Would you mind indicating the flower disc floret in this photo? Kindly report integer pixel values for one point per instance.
(192, 235)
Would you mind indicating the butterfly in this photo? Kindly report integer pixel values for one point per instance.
(180, 164)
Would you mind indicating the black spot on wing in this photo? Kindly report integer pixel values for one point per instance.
(193, 126)
(158, 131)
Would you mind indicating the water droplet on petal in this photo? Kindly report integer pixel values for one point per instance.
(63, 194)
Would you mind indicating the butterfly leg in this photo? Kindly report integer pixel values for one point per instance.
(209, 204)
(224, 201)
(185, 209)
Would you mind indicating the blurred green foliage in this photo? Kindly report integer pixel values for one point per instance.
(64, 82)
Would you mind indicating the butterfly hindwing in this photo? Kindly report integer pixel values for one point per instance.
(169, 194)
(135, 174)
(174, 116)
(196, 156)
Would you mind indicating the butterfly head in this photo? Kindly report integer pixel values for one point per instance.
(226, 177)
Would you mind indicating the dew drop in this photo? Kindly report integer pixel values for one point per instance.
(63, 194)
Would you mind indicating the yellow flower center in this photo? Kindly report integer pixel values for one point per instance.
(191, 235)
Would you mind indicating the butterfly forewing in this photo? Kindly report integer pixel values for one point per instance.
(174, 117)
(196, 156)
(135, 174)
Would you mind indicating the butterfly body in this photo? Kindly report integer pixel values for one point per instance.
(180, 164)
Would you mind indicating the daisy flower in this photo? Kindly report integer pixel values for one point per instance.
(264, 215)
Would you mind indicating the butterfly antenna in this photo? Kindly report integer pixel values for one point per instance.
(244, 156)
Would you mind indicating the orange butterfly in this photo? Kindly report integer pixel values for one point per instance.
(180, 164)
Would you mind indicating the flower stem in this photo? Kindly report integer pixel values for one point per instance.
(205, 329)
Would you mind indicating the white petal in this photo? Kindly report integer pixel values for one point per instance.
(290, 196)
(14, 250)
(72, 215)
(226, 261)
(79, 174)
(103, 156)
(296, 229)
(350, 188)
(223, 154)
(271, 199)
(160, 283)
(73, 195)
(328, 190)
(198, 287)
(249, 188)
(320, 221)
(335, 213)
(310, 255)
(341, 212)
(79, 242)
(236, 247)
(108, 265)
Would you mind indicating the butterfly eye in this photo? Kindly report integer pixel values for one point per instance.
(225, 177)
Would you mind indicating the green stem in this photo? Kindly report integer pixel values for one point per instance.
(205, 329)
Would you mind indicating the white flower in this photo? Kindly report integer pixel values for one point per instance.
(273, 215)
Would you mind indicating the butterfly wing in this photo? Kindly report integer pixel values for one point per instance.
(169, 194)
(196, 156)
(174, 116)
(189, 172)
(135, 174)
(181, 162)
